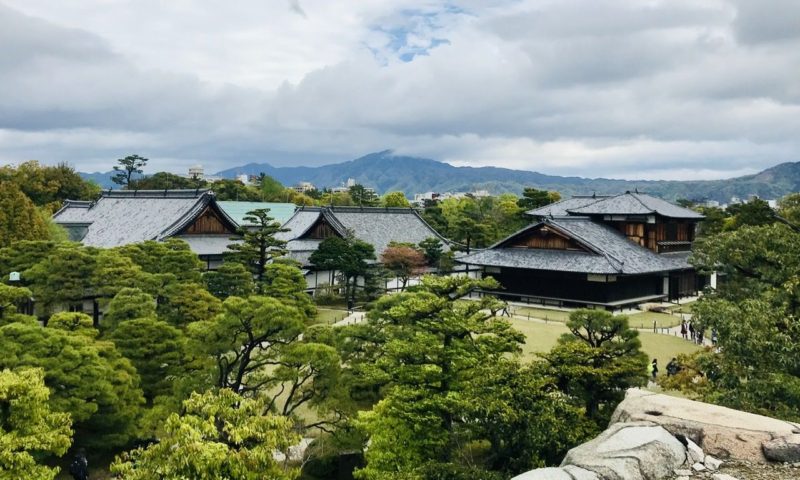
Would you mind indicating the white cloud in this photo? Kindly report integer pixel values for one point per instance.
(655, 89)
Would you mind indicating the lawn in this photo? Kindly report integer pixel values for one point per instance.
(540, 337)
(541, 313)
(645, 320)
(329, 315)
(685, 308)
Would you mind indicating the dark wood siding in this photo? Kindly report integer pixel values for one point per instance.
(575, 286)
(321, 230)
(547, 239)
(208, 222)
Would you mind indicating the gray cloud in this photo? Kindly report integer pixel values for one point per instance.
(607, 87)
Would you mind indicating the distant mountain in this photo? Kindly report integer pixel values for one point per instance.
(386, 172)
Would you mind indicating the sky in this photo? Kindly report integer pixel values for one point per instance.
(670, 89)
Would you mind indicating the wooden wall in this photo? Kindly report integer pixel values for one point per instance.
(649, 234)
(546, 238)
(207, 222)
(321, 230)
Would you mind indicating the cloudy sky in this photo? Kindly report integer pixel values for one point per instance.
(673, 89)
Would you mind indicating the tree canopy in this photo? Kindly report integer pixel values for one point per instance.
(28, 426)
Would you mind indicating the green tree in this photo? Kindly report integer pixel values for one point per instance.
(126, 170)
(754, 213)
(19, 218)
(404, 262)
(219, 435)
(76, 322)
(525, 420)
(789, 208)
(533, 198)
(395, 199)
(184, 303)
(64, 278)
(230, 280)
(166, 181)
(156, 349)
(48, 186)
(597, 361)
(433, 250)
(89, 379)
(284, 280)
(271, 189)
(10, 297)
(349, 256)
(172, 258)
(425, 348)
(23, 255)
(127, 304)
(755, 312)
(28, 428)
(228, 189)
(714, 222)
(363, 196)
(259, 245)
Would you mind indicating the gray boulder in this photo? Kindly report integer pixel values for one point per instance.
(630, 451)
(783, 449)
(719, 431)
(549, 473)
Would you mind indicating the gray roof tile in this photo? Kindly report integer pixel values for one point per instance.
(559, 209)
(611, 252)
(634, 204)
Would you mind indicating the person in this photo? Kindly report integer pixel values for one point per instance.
(654, 368)
(673, 367)
(691, 331)
(714, 336)
(684, 331)
(79, 468)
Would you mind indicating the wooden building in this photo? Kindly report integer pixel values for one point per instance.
(610, 252)
(377, 226)
(121, 217)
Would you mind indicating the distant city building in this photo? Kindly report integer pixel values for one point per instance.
(303, 187)
(244, 178)
(350, 183)
(196, 172)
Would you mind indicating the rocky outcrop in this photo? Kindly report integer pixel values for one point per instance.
(654, 436)
(784, 449)
(719, 431)
(630, 451)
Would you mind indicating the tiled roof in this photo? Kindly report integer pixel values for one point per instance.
(610, 252)
(559, 209)
(634, 204)
(124, 217)
(281, 212)
(376, 226)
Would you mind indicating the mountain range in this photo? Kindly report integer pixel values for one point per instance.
(386, 172)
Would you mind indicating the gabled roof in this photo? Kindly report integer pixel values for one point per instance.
(121, 217)
(376, 226)
(560, 208)
(634, 204)
(608, 252)
(280, 212)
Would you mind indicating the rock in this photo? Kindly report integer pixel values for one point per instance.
(695, 452)
(783, 449)
(629, 451)
(579, 473)
(683, 472)
(699, 467)
(722, 476)
(549, 473)
(712, 463)
(719, 431)
(682, 478)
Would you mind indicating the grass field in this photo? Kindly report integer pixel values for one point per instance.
(645, 320)
(329, 315)
(541, 313)
(541, 337)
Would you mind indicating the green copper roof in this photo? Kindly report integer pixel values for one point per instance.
(281, 212)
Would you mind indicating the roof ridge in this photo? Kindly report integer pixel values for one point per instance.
(597, 249)
(166, 193)
(636, 196)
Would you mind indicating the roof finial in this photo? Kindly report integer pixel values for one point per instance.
(636, 189)
(594, 194)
